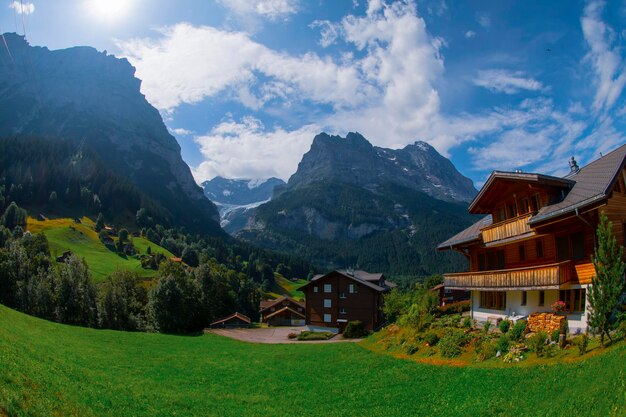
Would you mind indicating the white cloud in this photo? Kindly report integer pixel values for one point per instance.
(181, 131)
(604, 56)
(23, 7)
(470, 34)
(246, 149)
(483, 20)
(505, 81)
(328, 32)
(270, 9)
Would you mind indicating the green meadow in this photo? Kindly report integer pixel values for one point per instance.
(82, 240)
(52, 369)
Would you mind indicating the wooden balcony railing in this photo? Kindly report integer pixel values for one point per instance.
(506, 229)
(538, 277)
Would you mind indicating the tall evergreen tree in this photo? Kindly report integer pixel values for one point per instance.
(608, 284)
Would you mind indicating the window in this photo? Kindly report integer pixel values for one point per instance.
(524, 298)
(525, 206)
(352, 289)
(578, 245)
(562, 248)
(522, 252)
(342, 295)
(570, 247)
(574, 300)
(342, 310)
(539, 249)
(535, 203)
(328, 318)
(501, 214)
(495, 300)
(328, 303)
(328, 288)
(315, 289)
(491, 260)
(542, 298)
(482, 265)
(512, 210)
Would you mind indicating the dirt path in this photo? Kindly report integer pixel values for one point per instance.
(273, 335)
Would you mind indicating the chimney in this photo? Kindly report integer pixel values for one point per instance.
(573, 166)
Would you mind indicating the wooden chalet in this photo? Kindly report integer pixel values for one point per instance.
(233, 321)
(334, 299)
(534, 244)
(284, 311)
(450, 295)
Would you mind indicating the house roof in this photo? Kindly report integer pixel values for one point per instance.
(270, 303)
(239, 316)
(286, 308)
(362, 277)
(590, 185)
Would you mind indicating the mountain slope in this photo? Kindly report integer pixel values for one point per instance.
(92, 98)
(352, 204)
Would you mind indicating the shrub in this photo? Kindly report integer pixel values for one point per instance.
(354, 330)
(537, 343)
(410, 347)
(518, 330)
(292, 335)
(555, 335)
(621, 329)
(452, 343)
(513, 356)
(486, 326)
(315, 335)
(485, 349)
(504, 326)
(468, 323)
(581, 341)
(503, 344)
(431, 338)
(453, 308)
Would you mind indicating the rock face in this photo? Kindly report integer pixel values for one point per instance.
(354, 204)
(236, 199)
(93, 98)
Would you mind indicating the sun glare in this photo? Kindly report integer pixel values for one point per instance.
(109, 11)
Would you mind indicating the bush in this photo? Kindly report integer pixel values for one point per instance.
(486, 326)
(292, 335)
(555, 335)
(452, 343)
(315, 335)
(621, 329)
(537, 343)
(431, 338)
(581, 341)
(503, 344)
(485, 349)
(504, 326)
(411, 347)
(354, 330)
(518, 330)
(453, 308)
(468, 323)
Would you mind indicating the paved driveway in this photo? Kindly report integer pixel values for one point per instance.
(273, 335)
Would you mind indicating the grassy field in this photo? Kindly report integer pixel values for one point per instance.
(51, 369)
(83, 241)
(285, 286)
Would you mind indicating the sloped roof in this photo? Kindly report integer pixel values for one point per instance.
(593, 183)
(468, 235)
(269, 316)
(362, 277)
(271, 303)
(239, 316)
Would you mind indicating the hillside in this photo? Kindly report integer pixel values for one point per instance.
(82, 240)
(94, 100)
(109, 373)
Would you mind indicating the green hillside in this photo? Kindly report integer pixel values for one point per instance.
(51, 369)
(82, 240)
(284, 286)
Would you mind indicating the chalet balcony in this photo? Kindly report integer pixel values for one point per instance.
(507, 229)
(549, 276)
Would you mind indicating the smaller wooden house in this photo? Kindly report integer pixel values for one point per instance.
(284, 311)
(450, 295)
(233, 321)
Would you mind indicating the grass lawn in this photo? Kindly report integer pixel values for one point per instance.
(83, 241)
(51, 369)
(286, 286)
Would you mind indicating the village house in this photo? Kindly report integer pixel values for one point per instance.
(284, 311)
(534, 245)
(336, 298)
(235, 320)
(449, 295)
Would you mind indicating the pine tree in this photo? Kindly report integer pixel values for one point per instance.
(99, 222)
(608, 284)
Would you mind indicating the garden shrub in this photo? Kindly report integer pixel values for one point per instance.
(468, 323)
(621, 329)
(410, 347)
(504, 326)
(485, 349)
(581, 341)
(452, 342)
(503, 344)
(537, 343)
(431, 338)
(555, 335)
(518, 330)
(486, 326)
(453, 308)
(354, 330)
(307, 335)
(292, 335)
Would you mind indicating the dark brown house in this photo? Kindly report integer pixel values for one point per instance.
(284, 311)
(450, 295)
(232, 321)
(334, 299)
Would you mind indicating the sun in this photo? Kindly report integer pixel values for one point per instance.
(109, 11)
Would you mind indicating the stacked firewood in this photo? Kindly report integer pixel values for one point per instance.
(546, 322)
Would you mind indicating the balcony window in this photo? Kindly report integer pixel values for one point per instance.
(535, 203)
(522, 252)
(539, 249)
(525, 206)
(512, 210)
(574, 300)
(494, 300)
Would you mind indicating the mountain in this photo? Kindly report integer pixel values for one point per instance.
(236, 199)
(94, 99)
(351, 204)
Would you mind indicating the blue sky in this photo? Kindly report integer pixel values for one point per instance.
(244, 85)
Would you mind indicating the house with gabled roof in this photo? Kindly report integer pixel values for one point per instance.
(341, 296)
(533, 246)
(232, 321)
(283, 311)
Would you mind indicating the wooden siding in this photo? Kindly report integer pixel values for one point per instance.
(615, 210)
(537, 277)
(506, 229)
(585, 272)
